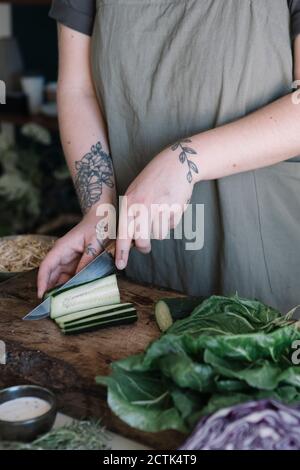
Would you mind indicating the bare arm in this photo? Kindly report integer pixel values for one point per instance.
(81, 124)
(84, 139)
(261, 139)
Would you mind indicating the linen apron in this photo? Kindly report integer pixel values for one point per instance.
(168, 69)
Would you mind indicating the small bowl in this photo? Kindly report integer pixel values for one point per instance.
(27, 430)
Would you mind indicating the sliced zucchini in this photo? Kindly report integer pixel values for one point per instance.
(97, 293)
(106, 319)
(71, 317)
(167, 311)
(92, 326)
(92, 318)
(60, 289)
(51, 292)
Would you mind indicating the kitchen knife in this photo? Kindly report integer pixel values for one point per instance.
(101, 266)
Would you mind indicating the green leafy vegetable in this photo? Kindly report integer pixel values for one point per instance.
(229, 350)
(143, 399)
(79, 435)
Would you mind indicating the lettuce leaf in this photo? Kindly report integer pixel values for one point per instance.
(229, 350)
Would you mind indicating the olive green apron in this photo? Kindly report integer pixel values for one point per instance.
(167, 69)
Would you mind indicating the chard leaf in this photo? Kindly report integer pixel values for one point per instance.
(288, 395)
(143, 402)
(186, 401)
(291, 376)
(231, 385)
(264, 376)
(188, 374)
(229, 350)
(252, 347)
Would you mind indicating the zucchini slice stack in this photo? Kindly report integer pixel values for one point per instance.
(90, 306)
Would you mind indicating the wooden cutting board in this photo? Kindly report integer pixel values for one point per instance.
(38, 353)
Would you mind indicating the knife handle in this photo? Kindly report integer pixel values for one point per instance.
(110, 247)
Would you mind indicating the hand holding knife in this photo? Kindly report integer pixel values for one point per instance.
(101, 266)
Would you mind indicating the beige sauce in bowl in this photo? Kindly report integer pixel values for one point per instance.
(23, 408)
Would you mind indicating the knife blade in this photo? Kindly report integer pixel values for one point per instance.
(101, 266)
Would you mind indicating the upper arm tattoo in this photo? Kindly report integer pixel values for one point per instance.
(94, 170)
(185, 151)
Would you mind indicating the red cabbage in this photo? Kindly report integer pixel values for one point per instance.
(260, 425)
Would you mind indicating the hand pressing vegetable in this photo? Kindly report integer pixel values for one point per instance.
(70, 254)
(262, 425)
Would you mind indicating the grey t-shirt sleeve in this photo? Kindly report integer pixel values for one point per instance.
(80, 14)
(295, 16)
(76, 14)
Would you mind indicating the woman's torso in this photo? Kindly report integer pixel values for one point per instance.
(165, 69)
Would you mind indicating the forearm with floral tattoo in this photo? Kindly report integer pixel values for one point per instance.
(93, 172)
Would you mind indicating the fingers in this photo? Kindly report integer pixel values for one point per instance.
(142, 232)
(49, 272)
(92, 249)
(122, 252)
(160, 226)
(125, 236)
(59, 263)
(143, 246)
(43, 278)
(57, 270)
(69, 255)
(137, 223)
(63, 278)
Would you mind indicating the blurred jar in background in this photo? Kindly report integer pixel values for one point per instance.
(33, 87)
(11, 64)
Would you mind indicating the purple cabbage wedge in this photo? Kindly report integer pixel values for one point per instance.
(261, 425)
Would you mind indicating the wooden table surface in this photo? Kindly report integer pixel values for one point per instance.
(38, 353)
